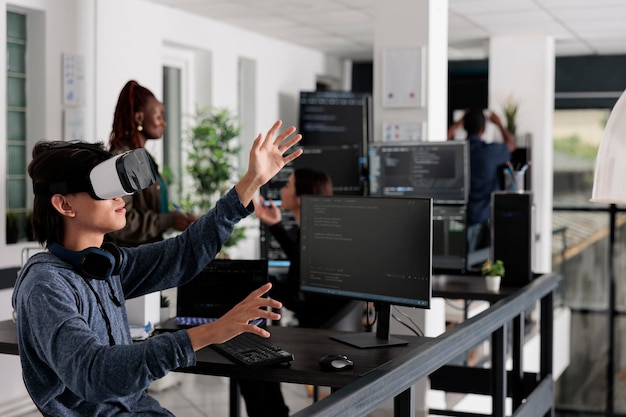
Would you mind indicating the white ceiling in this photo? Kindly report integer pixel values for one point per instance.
(346, 27)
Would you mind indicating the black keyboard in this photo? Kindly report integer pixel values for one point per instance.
(253, 350)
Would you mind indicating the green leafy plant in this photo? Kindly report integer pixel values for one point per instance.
(213, 151)
(510, 108)
(165, 302)
(491, 268)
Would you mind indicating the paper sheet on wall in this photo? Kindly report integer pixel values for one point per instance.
(73, 80)
(402, 132)
(403, 78)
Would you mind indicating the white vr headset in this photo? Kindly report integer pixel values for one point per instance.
(121, 175)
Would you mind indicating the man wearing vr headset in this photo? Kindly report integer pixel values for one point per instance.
(75, 347)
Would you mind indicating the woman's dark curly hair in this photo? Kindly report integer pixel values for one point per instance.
(133, 98)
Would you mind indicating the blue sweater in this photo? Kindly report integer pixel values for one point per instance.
(485, 158)
(68, 366)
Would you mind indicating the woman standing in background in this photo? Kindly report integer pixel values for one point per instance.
(139, 117)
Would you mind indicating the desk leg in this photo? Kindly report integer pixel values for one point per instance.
(234, 398)
(517, 382)
(404, 403)
(498, 372)
(546, 335)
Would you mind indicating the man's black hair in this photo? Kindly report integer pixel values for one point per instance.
(474, 121)
(57, 162)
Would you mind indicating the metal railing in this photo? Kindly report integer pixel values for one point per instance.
(612, 312)
(397, 378)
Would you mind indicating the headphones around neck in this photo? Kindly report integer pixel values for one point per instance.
(96, 263)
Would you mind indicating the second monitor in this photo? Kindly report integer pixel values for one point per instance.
(368, 248)
(437, 170)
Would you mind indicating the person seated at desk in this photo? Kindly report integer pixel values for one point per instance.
(74, 341)
(311, 310)
(485, 160)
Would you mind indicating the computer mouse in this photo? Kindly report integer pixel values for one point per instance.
(335, 363)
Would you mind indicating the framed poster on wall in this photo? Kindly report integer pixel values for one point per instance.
(403, 77)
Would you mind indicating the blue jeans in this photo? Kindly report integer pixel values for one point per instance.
(478, 236)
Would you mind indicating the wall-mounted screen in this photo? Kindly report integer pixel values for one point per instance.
(334, 118)
(438, 170)
(343, 163)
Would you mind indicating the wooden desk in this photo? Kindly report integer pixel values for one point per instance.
(467, 287)
(307, 346)
(8, 337)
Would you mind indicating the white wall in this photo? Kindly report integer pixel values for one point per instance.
(410, 25)
(135, 51)
(524, 66)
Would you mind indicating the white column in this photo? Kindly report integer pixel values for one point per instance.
(523, 66)
(409, 25)
(406, 25)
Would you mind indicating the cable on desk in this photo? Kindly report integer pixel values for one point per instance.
(417, 330)
(466, 302)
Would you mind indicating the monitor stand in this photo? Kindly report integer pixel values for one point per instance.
(381, 338)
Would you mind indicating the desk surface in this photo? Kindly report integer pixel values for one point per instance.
(467, 287)
(8, 337)
(307, 346)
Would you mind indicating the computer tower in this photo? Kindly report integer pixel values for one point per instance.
(512, 235)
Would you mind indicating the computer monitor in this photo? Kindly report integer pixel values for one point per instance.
(375, 249)
(449, 239)
(439, 170)
(329, 118)
(345, 164)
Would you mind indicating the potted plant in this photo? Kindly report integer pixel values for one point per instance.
(493, 272)
(212, 161)
(510, 108)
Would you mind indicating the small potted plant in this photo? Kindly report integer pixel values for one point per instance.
(493, 272)
(510, 108)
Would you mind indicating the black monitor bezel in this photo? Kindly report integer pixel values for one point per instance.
(365, 296)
